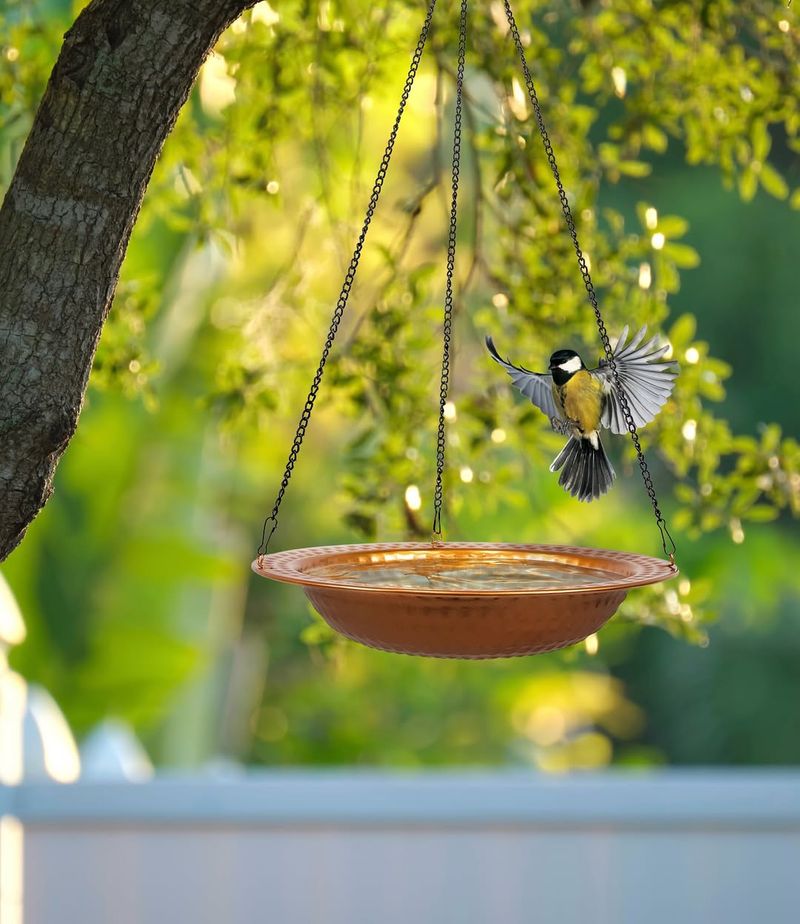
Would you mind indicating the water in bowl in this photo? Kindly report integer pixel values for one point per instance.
(447, 573)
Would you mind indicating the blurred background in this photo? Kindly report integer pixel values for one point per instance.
(676, 128)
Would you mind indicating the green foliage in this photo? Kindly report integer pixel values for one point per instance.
(134, 580)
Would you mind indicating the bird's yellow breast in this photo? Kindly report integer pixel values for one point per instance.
(581, 400)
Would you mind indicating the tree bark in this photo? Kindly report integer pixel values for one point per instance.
(124, 71)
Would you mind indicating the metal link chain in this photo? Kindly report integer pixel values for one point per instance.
(447, 328)
(667, 542)
(271, 522)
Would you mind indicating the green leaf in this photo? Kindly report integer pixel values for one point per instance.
(668, 276)
(682, 255)
(771, 438)
(748, 184)
(761, 141)
(773, 182)
(683, 331)
(672, 226)
(654, 138)
(635, 168)
(761, 513)
(641, 212)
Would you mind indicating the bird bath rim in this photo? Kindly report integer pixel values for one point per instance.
(291, 566)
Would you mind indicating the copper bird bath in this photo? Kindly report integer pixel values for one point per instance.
(464, 599)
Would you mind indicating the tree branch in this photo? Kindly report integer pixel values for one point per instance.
(124, 71)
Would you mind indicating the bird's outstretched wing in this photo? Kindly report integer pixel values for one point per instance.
(646, 379)
(537, 386)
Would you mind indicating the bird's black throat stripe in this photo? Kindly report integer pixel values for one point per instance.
(561, 376)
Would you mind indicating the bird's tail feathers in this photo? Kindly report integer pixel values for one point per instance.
(586, 472)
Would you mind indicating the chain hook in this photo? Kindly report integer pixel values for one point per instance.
(267, 537)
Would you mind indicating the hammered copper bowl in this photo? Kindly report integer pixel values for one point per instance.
(464, 600)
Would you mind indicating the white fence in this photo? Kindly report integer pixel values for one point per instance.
(353, 848)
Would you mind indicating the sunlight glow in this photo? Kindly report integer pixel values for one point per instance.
(217, 87)
(546, 725)
(449, 411)
(692, 355)
(498, 435)
(263, 13)
(645, 276)
(620, 81)
(658, 240)
(466, 474)
(591, 643)
(518, 101)
(651, 218)
(413, 498)
(689, 430)
(326, 21)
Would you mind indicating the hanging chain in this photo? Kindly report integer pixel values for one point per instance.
(667, 542)
(271, 522)
(447, 328)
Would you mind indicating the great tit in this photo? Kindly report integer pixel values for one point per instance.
(579, 401)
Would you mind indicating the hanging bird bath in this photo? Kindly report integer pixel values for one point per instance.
(462, 599)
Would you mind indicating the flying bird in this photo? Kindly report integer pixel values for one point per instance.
(580, 401)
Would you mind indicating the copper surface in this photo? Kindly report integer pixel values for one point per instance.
(464, 600)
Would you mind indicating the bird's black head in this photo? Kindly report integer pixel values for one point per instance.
(564, 364)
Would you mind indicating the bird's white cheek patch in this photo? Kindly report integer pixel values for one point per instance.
(571, 365)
